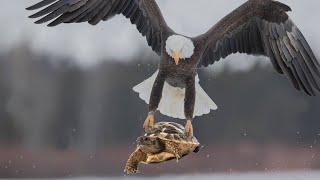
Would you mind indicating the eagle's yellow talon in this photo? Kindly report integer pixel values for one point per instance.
(149, 122)
(189, 128)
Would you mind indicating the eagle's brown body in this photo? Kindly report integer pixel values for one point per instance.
(181, 75)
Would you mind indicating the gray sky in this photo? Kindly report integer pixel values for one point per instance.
(119, 39)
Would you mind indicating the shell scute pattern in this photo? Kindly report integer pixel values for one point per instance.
(169, 131)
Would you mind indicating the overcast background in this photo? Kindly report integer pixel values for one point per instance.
(67, 108)
(119, 39)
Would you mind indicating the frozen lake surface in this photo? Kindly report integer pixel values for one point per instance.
(303, 175)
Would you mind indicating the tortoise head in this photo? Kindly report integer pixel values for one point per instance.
(150, 144)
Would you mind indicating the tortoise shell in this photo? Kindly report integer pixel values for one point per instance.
(170, 131)
(174, 133)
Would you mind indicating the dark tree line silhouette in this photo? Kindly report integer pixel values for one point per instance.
(58, 104)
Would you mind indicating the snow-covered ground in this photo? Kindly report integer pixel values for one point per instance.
(302, 175)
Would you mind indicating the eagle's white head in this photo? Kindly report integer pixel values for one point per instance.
(179, 47)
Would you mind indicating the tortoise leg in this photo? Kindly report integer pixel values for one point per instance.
(173, 149)
(132, 164)
(189, 128)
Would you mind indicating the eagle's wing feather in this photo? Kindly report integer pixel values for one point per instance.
(262, 27)
(145, 14)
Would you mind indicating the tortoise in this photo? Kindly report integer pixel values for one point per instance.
(163, 141)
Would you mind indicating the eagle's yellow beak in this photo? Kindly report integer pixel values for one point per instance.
(177, 56)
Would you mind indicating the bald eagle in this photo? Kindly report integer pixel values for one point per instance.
(258, 27)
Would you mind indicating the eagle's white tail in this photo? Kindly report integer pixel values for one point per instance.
(172, 101)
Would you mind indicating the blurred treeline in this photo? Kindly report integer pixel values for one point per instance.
(49, 103)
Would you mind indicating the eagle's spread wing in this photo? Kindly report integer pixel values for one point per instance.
(262, 27)
(145, 14)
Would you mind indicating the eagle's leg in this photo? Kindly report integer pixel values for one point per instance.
(189, 103)
(154, 101)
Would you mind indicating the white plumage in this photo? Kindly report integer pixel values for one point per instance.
(172, 101)
(180, 43)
